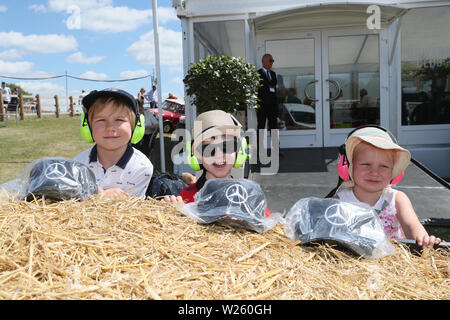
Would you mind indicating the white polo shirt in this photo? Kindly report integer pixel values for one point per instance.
(132, 173)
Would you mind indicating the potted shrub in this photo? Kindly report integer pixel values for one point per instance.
(223, 82)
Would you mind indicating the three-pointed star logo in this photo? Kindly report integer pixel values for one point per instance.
(236, 194)
(335, 216)
(55, 171)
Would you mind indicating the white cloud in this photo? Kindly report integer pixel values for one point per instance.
(14, 68)
(94, 75)
(102, 16)
(49, 43)
(43, 88)
(114, 19)
(63, 5)
(3, 8)
(22, 69)
(170, 48)
(79, 57)
(128, 74)
(176, 69)
(11, 54)
(177, 80)
(166, 14)
(38, 7)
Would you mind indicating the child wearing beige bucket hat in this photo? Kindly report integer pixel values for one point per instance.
(217, 148)
(374, 160)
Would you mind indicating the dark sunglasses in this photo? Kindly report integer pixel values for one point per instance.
(271, 60)
(227, 147)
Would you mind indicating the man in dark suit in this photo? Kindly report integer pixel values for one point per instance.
(267, 94)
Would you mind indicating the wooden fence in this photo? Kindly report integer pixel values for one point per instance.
(35, 105)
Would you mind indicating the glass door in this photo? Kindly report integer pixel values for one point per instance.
(298, 68)
(351, 83)
(328, 83)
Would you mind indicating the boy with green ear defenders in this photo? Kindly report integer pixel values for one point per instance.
(113, 122)
(217, 148)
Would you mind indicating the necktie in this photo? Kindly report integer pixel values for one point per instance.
(268, 75)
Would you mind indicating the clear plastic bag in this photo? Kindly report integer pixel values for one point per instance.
(354, 226)
(164, 185)
(238, 203)
(53, 178)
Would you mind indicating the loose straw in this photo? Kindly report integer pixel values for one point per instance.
(136, 249)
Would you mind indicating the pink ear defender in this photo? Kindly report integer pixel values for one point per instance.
(342, 167)
(398, 178)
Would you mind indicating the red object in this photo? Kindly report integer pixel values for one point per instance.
(188, 193)
(173, 110)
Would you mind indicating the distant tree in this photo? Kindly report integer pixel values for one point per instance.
(21, 91)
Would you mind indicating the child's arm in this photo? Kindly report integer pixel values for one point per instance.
(411, 225)
(112, 193)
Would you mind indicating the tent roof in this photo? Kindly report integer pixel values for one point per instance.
(325, 15)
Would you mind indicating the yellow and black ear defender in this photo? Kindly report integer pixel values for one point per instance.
(85, 130)
(241, 156)
(138, 132)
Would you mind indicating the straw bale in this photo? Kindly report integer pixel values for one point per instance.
(136, 249)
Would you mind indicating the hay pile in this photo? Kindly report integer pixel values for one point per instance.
(136, 249)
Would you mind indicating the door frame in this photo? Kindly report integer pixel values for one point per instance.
(322, 135)
(298, 138)
(336, 137)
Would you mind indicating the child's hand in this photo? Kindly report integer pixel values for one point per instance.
(188, 178)
(113, 193)
(177, 201)
(427, 241)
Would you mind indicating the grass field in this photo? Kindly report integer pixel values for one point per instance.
(36, 138)
(50, 137)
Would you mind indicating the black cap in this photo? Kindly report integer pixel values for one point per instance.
(238, 203)
(60, 179)
(127, 98)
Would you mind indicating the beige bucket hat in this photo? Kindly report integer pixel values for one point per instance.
(380, 139)
(212, 124)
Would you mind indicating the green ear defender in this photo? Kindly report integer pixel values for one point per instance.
(241, 156)
(192, 160)
(84, 128)
(138, 132)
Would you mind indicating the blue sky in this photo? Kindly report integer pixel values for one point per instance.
(94, 39)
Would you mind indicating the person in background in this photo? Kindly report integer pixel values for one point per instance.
(171, 96)
(140, 97)
(82, 95)
(14, 100)
(267, 97)
(292, 96)
(112, 118)
(6, 93)
(151, 126)
(267, 94)
(151, 97)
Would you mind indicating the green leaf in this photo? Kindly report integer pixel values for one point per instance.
(222, 82)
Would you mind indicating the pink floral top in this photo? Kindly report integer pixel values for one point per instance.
(385, 208)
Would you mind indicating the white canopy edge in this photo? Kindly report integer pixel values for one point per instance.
(325, 15)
